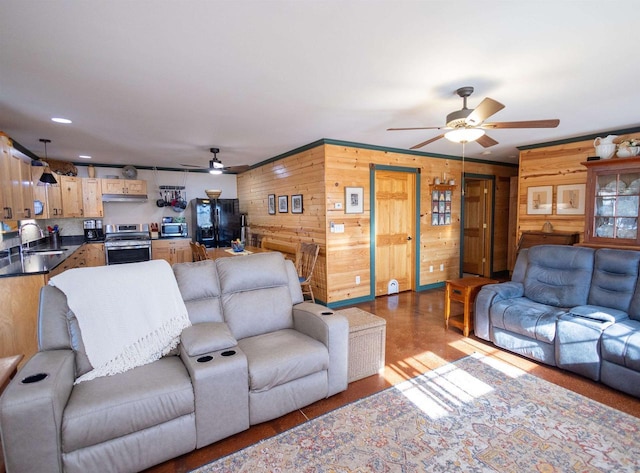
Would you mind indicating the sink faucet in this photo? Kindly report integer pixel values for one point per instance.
(21, 234)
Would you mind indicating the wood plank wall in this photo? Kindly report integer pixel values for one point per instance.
(321, 175)
(553, 165)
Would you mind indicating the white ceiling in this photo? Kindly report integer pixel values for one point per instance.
(159, 82)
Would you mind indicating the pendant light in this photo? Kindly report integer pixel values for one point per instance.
(47, 177)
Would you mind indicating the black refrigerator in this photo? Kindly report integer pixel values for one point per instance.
(215, 222)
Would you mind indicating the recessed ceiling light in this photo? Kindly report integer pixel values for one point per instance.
(61, 120)
(84, 156)
(486, 152)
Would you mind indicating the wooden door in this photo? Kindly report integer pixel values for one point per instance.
(394, 228)
(477, 225)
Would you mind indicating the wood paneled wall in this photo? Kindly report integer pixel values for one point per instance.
(321, 175)
(554, 165)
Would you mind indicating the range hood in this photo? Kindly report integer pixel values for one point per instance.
(124, 198)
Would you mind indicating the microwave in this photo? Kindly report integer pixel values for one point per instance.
(173, 229)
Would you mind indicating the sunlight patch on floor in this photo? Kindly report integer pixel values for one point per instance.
(440, 392)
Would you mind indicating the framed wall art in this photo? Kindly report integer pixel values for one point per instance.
(570, 199)
(272, 204)
(283, 204)
(539, 200)
(441, 207)
(296, 204)
(354, 200)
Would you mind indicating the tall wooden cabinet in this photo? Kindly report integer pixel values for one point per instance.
(612, 203)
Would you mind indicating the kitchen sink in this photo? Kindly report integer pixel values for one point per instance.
(45, 252)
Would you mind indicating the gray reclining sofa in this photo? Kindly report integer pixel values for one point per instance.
(573, 307)
(255, 351)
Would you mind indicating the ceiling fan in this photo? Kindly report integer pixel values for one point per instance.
(468, 124)
(216, 166)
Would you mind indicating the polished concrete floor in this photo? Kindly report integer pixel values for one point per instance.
(416, 342)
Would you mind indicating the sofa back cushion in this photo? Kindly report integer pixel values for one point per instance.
(256, 297)
(58, 327)
(200, 289)
(559, 275)
(615, 275)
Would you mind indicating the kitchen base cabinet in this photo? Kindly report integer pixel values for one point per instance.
(173, 251)
(19, 314)
(94, 254)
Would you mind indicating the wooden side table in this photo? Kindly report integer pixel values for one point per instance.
(463, 290)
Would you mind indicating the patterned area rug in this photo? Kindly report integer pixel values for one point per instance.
(474, 415)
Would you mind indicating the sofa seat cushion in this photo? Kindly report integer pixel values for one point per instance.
(113, 406)
(621, 344)
(279, 357)
(526, 317)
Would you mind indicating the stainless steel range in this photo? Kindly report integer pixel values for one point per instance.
(127, 243)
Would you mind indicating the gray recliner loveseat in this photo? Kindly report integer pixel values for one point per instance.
(254, 352)
(573, 307)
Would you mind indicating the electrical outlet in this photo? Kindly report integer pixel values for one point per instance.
(431, 269)
(357, 279)
(441, 266)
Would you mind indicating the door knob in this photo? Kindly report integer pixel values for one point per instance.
(409, 238)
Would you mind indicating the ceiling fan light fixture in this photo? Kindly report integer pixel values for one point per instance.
(215, 171)
(464, 135)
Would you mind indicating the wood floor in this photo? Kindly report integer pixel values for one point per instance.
(416, 342)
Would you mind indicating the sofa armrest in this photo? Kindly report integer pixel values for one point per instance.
(31, 413)
(321, 323)
(489, 295)
(221, 392)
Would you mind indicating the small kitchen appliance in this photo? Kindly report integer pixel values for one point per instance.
(90, 233)
(172, 229)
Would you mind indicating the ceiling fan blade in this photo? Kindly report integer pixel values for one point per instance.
(424, 143)
(551, 123)
(236, 169)
(483, 111)
(191, 166)
(486, 141)
(417, 128)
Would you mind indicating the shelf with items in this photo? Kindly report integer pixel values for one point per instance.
(613, 202)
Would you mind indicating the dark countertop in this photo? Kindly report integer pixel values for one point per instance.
(37, 263)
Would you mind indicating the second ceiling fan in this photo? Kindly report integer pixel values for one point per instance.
(467, 124)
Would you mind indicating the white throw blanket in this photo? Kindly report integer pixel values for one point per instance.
(129, 314)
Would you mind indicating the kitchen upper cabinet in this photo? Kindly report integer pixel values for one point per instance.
(124, 186)
(49, 196)
(6, 200)
(92, 197)
(21, 186)
(71, 188)
(173, 251)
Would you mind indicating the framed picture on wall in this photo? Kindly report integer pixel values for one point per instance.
(354, 200)
(539, 200)
(271, 204)
(570, 199)
(296, 204)
(283, 204)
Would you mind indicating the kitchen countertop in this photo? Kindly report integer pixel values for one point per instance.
(37, 263)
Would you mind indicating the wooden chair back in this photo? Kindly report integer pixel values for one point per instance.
(305, 263)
